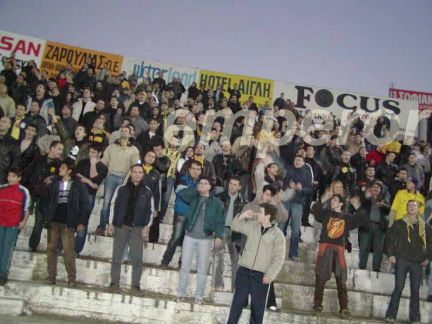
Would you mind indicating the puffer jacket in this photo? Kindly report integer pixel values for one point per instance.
(263, 252)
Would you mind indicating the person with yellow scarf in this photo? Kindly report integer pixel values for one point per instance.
(409, 248)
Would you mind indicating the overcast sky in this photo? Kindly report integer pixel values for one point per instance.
(354, 45)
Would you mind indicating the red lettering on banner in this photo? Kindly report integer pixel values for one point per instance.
(26, 48)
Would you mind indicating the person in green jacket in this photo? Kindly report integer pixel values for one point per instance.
(204, 221)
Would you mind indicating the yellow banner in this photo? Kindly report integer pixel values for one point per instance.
(57, 55)
(260, 89)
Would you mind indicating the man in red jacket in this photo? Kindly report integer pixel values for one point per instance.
(14, 206)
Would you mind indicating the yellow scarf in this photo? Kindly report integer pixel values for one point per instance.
(147, 168)
(421, 229)
(199, 159)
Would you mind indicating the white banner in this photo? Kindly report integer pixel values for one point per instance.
(147, 68)
(338, 101)
(25, 48)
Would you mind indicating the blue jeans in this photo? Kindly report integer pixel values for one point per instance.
(403, 267)
(8, 237)
(295, 212)
(249, 282)
(202, 247)
(80, 236)
(166, 196)
(110, 185)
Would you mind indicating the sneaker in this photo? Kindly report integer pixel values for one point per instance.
(100, 232)
(274, 309)
(389, 320)
(198, 301)
(345, 313)
(180, 300)
(317, 309)
(136, 288)
(429, 298)
(72, 284)
(113, 287)
(219, 289)
(164, 266)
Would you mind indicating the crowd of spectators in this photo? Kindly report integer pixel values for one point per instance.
(67, 135)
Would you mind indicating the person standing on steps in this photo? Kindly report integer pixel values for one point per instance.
(118, 158)
(336, 225)
(14, 206)
(67, 210)
(260, 263)
(130, 217)
(204, 220)
(233, 203)
(409, 247)
(180, 209)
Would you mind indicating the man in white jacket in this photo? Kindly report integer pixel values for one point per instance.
(83, 105)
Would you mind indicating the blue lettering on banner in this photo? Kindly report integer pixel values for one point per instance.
(153, 71)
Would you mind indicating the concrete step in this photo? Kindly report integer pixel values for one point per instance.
(101, 247)
(293, 296)
(360, 304)
(100, 305)
(11, 305)
(33, 266)
(357, 280)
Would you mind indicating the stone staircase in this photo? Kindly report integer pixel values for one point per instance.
(27, 289)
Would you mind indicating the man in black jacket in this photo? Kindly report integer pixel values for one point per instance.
(131, 215)
(371, 234)
(387, 170)
(66, 207)
(9, 149)
(37, 177)
(233, 203)
(409, 246)
(225, 166)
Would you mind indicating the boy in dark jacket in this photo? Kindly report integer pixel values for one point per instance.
(336, 225)
(204, 220)
(67, 208)
(409, 247)
(130, 218)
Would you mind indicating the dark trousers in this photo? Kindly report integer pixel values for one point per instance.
(373, 238)
(271, 300)
(176, 238)
(341, 289)
(249, 282)
(130, 236)
(38, 224)
(402, 268)
(58, 232)
(306, 209)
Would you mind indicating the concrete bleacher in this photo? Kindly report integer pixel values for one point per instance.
(369, 292)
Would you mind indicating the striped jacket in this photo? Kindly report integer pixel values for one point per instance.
(14, 203)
